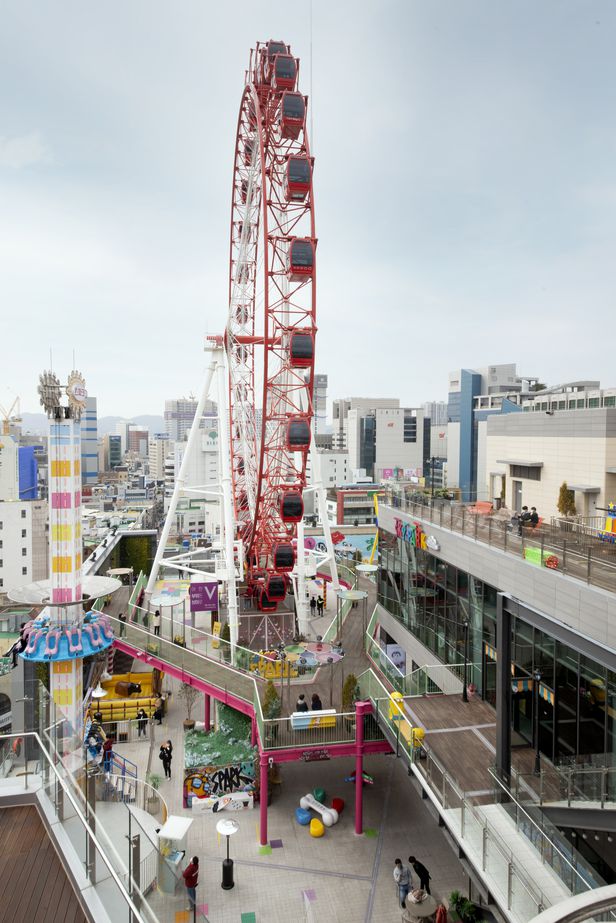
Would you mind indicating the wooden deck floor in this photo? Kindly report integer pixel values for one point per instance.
(35, 887)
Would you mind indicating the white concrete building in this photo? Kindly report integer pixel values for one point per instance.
(157, 452)
(384, 440)
(535, 452)
(9, 468)
(23, 543)
(194, 512)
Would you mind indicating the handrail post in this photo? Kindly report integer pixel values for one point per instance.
(588, 564)
(484, 847)
(569, 786)
(564, 555)
(604, 772)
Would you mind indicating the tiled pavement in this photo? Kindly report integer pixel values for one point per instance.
(340, 877)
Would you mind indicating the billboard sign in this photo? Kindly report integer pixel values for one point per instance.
(203, 597)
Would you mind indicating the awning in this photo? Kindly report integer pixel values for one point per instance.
(519, 461)
(584, 488)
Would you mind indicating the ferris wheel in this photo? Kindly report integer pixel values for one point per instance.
(271, 326)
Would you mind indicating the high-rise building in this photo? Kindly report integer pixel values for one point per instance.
(137, 441)
(320, 403)
(89, 444)
(437, 411)
(474, 396)
(386, 440)
(179, 415)
(340, 412)
(157, 452)
(112, 454)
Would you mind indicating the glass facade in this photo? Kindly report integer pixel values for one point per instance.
(577, 696)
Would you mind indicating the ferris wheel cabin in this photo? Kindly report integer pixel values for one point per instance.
(298, 177)
(301, 350)
(292, 114)
(264, 603)
(283, 555)
(298, 434)
(276, 587)
(283, 72)
(300, 260)
(291, 506)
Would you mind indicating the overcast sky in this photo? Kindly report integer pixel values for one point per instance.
(465, 187)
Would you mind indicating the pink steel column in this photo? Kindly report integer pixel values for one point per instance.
(263, 763)
(207, 719)
(253, 732)
(360, 709)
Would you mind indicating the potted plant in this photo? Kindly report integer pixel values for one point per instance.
(566, 505)
(225, 641)
(179, 640)
(152, 800)
(350, 694)
(461, 909)
(189, 695)
(271, 709)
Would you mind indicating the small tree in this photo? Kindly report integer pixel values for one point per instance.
(566, 501)
(271, 701)
(350, 693)
(225, 637)
(189, 695)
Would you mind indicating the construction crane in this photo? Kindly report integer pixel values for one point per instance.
(12, 415)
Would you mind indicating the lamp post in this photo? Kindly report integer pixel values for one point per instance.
(537, 680)
(227, 828)
(464, 688)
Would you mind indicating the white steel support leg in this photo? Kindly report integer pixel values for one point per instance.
(300, 584)
(178, 488)
(315, 461)
(227, 518)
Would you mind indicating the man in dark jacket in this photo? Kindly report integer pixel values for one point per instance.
(422, 873)
(191, 879)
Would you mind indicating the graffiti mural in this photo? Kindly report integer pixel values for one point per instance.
(212, 783)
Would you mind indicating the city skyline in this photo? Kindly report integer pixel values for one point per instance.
(464, 199)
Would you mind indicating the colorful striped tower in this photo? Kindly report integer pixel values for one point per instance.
(62, 635)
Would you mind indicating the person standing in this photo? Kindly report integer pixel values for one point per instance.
(319, 605)
(534, 517)
(156, 623)
(313, 607)
(142, 720)
(166, 755)
(301, 704)
(122, 620)
(402, 877)
(422, 873)
(191, 879)
(316, 704)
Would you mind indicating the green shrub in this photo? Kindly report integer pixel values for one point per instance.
(271, 701)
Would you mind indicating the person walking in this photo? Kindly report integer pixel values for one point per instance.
(166, 755)
(316, 704)
(107, 754)
(191, 879)
(142, 720)
(422, 873)
(319, 605)
(156, 623)
(402, 877)
(301, 704)
(313, 607)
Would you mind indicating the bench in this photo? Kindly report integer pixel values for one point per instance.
(300, 720)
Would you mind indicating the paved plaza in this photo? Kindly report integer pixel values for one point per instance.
(340, 877)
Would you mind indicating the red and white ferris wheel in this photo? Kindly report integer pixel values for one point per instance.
(271, 327)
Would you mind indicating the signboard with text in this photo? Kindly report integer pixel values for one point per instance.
(203, 597)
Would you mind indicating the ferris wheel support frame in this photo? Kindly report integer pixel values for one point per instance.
(217, 374)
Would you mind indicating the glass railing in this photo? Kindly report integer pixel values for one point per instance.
(389, 715)
(218, 673)
(568, 784)
(95, 848)
(543, 547)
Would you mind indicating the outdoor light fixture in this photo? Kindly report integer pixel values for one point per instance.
(99, 692)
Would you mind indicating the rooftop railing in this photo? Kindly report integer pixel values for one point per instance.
(595, 565)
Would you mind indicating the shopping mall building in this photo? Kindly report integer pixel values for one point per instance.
(534, 617)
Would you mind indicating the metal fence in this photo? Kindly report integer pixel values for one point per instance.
(594, 565)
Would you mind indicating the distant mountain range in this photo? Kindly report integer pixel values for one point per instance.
(37, 423)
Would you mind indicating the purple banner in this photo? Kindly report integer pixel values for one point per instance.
(203, 597)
